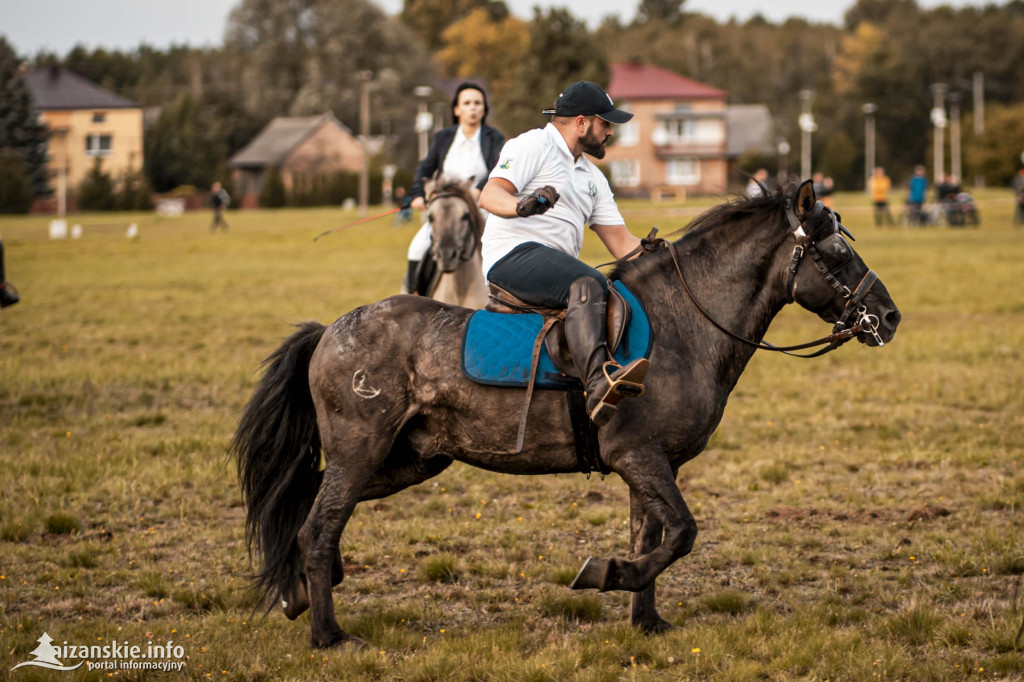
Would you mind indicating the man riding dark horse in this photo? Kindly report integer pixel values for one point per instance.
(540, 195)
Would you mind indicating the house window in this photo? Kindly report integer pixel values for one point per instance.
(99, 117)
(680, 130)
(628, 134)
(625, 172)
(98, 145)
(683, 172)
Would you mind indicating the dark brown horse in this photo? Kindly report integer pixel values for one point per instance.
(381, 393)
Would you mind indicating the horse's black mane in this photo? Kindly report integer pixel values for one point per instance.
(736, 208)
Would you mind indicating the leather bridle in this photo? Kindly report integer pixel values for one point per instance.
(466, 253)
(804, 246)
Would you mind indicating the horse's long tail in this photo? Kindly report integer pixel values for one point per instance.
(277, 446)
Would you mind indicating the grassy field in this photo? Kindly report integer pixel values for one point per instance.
(860, 514)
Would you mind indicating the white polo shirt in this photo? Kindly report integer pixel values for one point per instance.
(537, 158)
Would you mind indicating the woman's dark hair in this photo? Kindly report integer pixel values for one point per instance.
(469, 86)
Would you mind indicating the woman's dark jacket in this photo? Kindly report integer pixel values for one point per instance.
(491, 141)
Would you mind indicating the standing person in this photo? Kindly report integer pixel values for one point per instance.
(540, 197)
(916, 197)
(8, 294)
(468, 149)
(1018, 189)
(879, 185)
(404, 205)
(219, 201)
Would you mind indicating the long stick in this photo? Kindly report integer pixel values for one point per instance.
(357, 222)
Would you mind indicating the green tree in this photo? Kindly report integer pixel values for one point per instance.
(15, 188)
(20, 129)
(668, 12)
(184, 146)
(96, 193)
(292, 55)
(430, 18)
(272, 193)
(995, 155)
(561, 51)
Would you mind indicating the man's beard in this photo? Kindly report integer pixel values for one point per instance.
(591, 145)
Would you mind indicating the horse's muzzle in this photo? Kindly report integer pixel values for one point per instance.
(879, 325)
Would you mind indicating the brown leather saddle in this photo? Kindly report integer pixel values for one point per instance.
(553, 332)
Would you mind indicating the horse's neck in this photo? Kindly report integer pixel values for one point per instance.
(735, 276)
(466, 286)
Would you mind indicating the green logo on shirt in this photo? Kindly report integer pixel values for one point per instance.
(507, 163)
(592, 189)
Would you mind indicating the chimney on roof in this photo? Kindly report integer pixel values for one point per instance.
(53, 72)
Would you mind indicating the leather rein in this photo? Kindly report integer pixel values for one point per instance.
(804, 245)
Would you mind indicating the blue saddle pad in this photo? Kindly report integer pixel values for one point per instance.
(497, 348)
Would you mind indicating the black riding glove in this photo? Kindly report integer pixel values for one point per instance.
(537, 202)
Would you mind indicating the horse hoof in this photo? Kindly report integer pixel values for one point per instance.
(655, 626)
(594, 575)
(296, 602)
(339, 639)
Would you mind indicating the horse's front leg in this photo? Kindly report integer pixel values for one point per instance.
(645, 533)
(652, 483)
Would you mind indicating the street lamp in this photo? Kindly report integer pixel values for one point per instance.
(424, 119)
(954, 135)
(869, 143)
(364, 78)
(783, 148)
(807, 126)
(939, 122)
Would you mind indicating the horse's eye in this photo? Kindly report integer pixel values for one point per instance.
(465, 216)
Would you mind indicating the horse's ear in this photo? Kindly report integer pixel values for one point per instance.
(805, 200)
(428, 187)
(469, 183)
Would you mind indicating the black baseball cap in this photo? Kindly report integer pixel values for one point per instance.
(587, 99)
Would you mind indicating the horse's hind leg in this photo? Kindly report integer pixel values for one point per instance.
(348, 471)
(296, 599)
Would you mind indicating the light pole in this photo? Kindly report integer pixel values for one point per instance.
(939, 122)
(869, 143)
(364, 78)
(979, 116)
(807, 126)
(783, 149)
(424, 119)
(954, 135)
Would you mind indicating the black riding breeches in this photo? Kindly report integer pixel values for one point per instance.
(541, 275)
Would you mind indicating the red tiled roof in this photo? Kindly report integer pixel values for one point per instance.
(634, 80)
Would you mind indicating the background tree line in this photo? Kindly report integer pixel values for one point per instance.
(302, 57)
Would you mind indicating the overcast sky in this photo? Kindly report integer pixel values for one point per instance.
(58, 25)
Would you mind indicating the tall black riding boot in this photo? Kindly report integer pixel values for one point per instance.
(425, 280)
(409, 283)
(605, 381)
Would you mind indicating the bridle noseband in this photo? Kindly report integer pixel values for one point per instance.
(855, 298)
